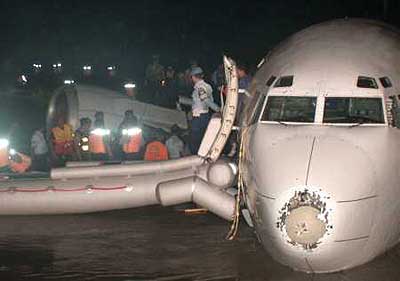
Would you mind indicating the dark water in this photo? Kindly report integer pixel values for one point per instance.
(149, 244)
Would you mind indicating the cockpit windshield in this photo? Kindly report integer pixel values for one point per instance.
(353, 110)
(290, 109)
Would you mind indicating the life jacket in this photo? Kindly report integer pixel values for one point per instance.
(22, 164)
(132, 140)
(63, 140)
(4, 157)
(156, 151)
(96, 141)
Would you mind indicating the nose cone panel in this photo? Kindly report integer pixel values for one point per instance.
(341, 169)
(304, 227)
(281, 163)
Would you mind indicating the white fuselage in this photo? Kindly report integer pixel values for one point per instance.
(337, 164)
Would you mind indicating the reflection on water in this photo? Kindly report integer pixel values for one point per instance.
(148, 244)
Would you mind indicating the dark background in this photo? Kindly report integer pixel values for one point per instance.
(126, 33)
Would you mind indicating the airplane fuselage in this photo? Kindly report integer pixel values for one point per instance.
(322, 146)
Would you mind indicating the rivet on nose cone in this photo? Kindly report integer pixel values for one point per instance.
(304, 227)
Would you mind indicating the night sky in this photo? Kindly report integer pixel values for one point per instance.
(126, 33)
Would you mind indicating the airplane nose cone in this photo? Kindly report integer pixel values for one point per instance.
(304, 227)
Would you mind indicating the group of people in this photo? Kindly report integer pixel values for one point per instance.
(93, 141)
(132, 141)
(166, 87)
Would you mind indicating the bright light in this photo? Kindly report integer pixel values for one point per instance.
(57, 65)
(35, 65)
(24, 79)
(4, 143)
(85, 139)
(87, 67)
(129, 86)
(131, 131)
(69, 82)
(100, 132)
(12, 151)
(85, 147)
(110, 67)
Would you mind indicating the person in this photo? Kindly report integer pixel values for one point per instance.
(202, 102)
(153, 77)
(62, 142)
(156, 150)
(174, 144)
(39, 151)
(130, 139)
(100, 139)
(169, 89)
(4, 154)
(12, 161)
(244, 83)
(192, 64)
(19, 163)
(81, 140)
(243, 76)
(155, 71)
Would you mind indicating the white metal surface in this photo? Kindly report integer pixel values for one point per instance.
(84, 101)
(351, 174)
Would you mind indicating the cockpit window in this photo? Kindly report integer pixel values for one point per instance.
(385, 81)
(290, 109)
(366, 82)
(284, 81)
(353, 110)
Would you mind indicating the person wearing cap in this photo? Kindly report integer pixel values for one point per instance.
(202, 102)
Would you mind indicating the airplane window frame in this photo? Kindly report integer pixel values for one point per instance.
(356, 119)
(284, 81)
(361, 79)
(266, 118)
(386, 82)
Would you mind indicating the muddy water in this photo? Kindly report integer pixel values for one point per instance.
(149, 244)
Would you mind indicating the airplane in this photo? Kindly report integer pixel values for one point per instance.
(321, 146)
(318, 166)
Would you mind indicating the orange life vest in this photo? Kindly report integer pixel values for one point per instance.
(4, 157)
(96, 144)
(21, 166)
(156, 151)
(63, 140)
(132, 145)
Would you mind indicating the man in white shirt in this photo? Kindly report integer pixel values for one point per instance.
(40, 151)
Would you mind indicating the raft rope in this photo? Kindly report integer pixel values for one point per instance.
(236, 220)
(88, 188)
